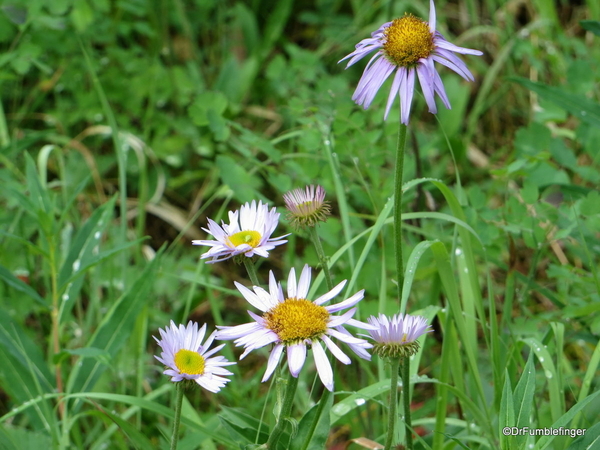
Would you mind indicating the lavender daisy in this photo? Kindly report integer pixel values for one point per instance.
(248, 233)
(187, 359)
(294, 323)
(397, 336)
(407, 45)
(307, 207)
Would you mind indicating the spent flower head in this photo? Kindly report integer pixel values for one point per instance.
(188, 359)
(409, 46)
(397, 337)
(248, 233)
(293, 323)
(306, 207)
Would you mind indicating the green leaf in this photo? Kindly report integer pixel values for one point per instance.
(243, 427)
(591, 204)
(114, 331)
(239, 180)
(507, 412)
(530, 192)
(579, 106)
(15, 13)
(39, 198)
(590, 440)
(523, 399)
(556, 399)
(7, 276)
(22, 439)
(24, 373)
(84, 352)
(214, 102)
(135, 437)
(564, 420)
(591, 25)
(319, 434)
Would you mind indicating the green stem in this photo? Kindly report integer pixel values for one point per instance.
(398, 208)
(177, 419)
(286, 408)
(326, 393)
(251, 269)
(321, 255)
(406, 398)
(393, 404)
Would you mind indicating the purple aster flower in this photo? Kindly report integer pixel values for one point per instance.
(307, 207)
(293, 323)
(248, 233)
(187, 358)
(407, 45)
(397, 336)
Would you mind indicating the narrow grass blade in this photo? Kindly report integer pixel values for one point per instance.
(543, 355)
(112, 334)
(506, 417)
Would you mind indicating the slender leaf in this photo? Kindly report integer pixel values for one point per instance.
(581, 107)
(321, 432)
(115, 329)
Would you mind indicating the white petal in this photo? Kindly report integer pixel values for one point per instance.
(349, 302)
(304, 284)
(335, 350)
(296, 357)
(332, 293)
(274, 358)
(323, 367)
(291, 286)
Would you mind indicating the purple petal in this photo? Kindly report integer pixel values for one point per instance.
(431, 16)
(393, 91)
(424, 71)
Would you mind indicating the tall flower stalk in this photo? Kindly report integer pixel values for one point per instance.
(190, 362)
(396, 341)
(305, 209)
(398, 177)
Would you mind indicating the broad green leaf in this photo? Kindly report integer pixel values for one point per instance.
(318, 436)
(591, 25)
(242, 427)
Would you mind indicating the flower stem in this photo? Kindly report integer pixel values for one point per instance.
(406, 398)
(326, 393)
(393, 404)
(284, 414)
(398, 208)
(177, 419)
(251, 269)
(321, 255)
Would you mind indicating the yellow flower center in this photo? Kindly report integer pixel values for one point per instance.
(189, 362)
(408, 39)
(252, 238)
(297, 319)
